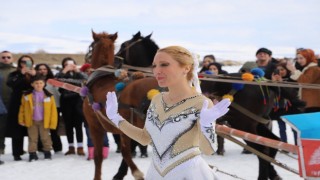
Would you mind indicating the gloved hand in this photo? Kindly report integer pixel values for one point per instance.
(112, 108)
(210, 115)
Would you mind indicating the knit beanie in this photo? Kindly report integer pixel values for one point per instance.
(265, 50)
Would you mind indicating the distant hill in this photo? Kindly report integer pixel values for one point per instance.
(52, 58)
(230, 63)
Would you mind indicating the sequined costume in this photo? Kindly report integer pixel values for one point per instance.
(177, 139)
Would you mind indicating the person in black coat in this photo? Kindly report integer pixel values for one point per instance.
(266, 62)
(18, 81)
(71, 104)
(284, 106)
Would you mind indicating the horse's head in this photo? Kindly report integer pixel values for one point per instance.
(101, 50)
(138, 51)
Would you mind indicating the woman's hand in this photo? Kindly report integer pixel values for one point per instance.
(112, 108)
(276, 77)
(32, 72)
(290, 66)
(210, 115)
(67, 68)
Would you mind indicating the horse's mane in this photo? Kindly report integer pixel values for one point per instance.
(151, 46)
(138, 51)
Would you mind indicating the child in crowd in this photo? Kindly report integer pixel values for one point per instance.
(38, 112)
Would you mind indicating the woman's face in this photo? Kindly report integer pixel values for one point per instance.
(282, 71)
(43, 70)
(207, 61)
(301, 60)
(168, 71)
(214, 69)
(26, 62)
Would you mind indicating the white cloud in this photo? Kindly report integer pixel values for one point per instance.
(229, 29)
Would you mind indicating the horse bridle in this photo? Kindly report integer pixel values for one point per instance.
(126, 49)
(88, 55)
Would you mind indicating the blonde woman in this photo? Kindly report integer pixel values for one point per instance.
(179, 123)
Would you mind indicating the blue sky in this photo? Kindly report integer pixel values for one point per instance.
(229, 29)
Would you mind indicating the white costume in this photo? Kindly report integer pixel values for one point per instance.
(177, 139)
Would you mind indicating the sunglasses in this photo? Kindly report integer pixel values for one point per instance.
(6, 57)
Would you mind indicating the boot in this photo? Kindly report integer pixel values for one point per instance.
(244, 151)
(33, 156)
(70, 151)
(1, 151)
(1, 162)
(144, 153)
(90, 153)
(17, 158)
(105, 152)
(80, 151)
(47, 154)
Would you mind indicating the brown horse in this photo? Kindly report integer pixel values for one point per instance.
(98, 89)
(102, 55)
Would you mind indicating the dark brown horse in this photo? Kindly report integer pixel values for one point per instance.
(102, 54)
(249, 112)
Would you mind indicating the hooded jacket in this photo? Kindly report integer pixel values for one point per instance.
(310, 74)
(50, 119)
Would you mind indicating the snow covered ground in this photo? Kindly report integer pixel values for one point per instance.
(76, 167)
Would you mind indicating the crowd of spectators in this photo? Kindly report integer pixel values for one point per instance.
(17, 78)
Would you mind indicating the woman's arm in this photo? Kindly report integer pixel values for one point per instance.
(139, 135)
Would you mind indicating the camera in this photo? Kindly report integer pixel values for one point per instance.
(276, 72)
(29, 64)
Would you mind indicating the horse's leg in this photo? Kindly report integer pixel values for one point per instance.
(126, 154)
(96, 133)
(271, 152)
(220, 141)
(122, 171)
(273, 175)
(97, 139)
(263, 165)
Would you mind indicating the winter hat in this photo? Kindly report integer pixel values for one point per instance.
(265, 50)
